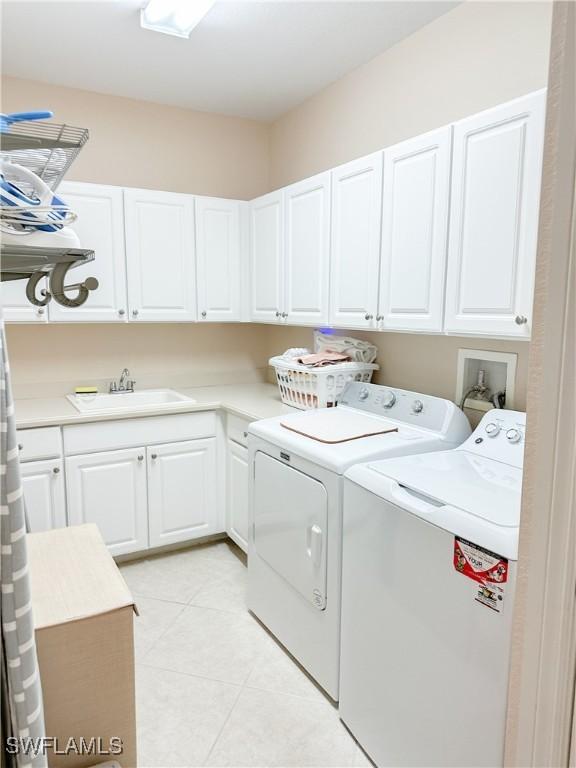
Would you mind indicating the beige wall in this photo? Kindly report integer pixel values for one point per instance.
(473, 57)
(413, 361)
(140, 144)
(135, 143)
(476, 56)
(50, 360)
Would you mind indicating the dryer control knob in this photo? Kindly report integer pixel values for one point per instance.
(513, 435)
(492, 429)
(363, 394)
(417, 406)
(388, 399)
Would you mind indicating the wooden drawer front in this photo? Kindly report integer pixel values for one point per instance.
(39, 444)
(237, 429)
(127, 433)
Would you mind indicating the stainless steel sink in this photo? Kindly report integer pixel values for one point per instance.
(128, 401)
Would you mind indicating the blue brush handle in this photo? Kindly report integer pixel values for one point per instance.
(17, 117)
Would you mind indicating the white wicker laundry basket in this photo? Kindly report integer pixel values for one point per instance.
(304, 387)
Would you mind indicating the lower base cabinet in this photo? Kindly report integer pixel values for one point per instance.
(182, 501)
(44, 494)
(238, 494)
(145, 482)
(145, 497)
(109, 489)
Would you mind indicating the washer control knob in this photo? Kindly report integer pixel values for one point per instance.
(492, 429)
(513, 435)
(388, 399)
(417, 406)
(363, 394)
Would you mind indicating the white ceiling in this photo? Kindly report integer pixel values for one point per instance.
(253, 59)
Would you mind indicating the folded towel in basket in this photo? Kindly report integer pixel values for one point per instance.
(321, 359)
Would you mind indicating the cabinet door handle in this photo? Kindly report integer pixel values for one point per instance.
(278, 314)
(284, 314)
(379, 317)
(121, 312)
(204, 313)
(20, 446)
(134, 313)
(368, 317)
(245, 435)
(140, 458)
(40, 311)
(520, 320)
(56, 470)
(154, 456)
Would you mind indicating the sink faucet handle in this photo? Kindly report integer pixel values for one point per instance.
(124, 376)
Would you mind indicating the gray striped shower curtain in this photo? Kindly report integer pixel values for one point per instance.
(22, 711)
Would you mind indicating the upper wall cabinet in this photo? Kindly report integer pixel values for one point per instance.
(355, 252)
(15, 306)
(218, 258)
(307, 250)
(435, 234)
(290, 253)
(494, 219)
(414, 232)
(100, 226)
(266, 250)
(160, 255)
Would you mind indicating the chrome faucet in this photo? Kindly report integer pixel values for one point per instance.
(126, 384)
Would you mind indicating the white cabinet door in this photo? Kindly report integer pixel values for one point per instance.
(496, 176)
(182, 491)
(15, 306)
(44, 496)
(218, 253)
(109, 489)
(267, 258)
(237, 492)
(355, 247)
(100, 226)
(414, 232)
(160, 255)
(307, 250)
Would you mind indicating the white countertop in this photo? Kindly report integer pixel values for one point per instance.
(250, 401)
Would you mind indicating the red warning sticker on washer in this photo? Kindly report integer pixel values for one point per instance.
(487, 569)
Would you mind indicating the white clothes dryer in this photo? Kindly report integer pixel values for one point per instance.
(297, 464)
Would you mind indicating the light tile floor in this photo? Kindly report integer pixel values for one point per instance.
(213, 688)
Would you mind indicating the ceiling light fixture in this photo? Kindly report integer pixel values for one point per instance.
(174, 17)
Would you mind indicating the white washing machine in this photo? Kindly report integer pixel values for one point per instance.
(295, 534)
(429, 568)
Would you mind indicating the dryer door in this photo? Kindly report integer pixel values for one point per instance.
(291, 526)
